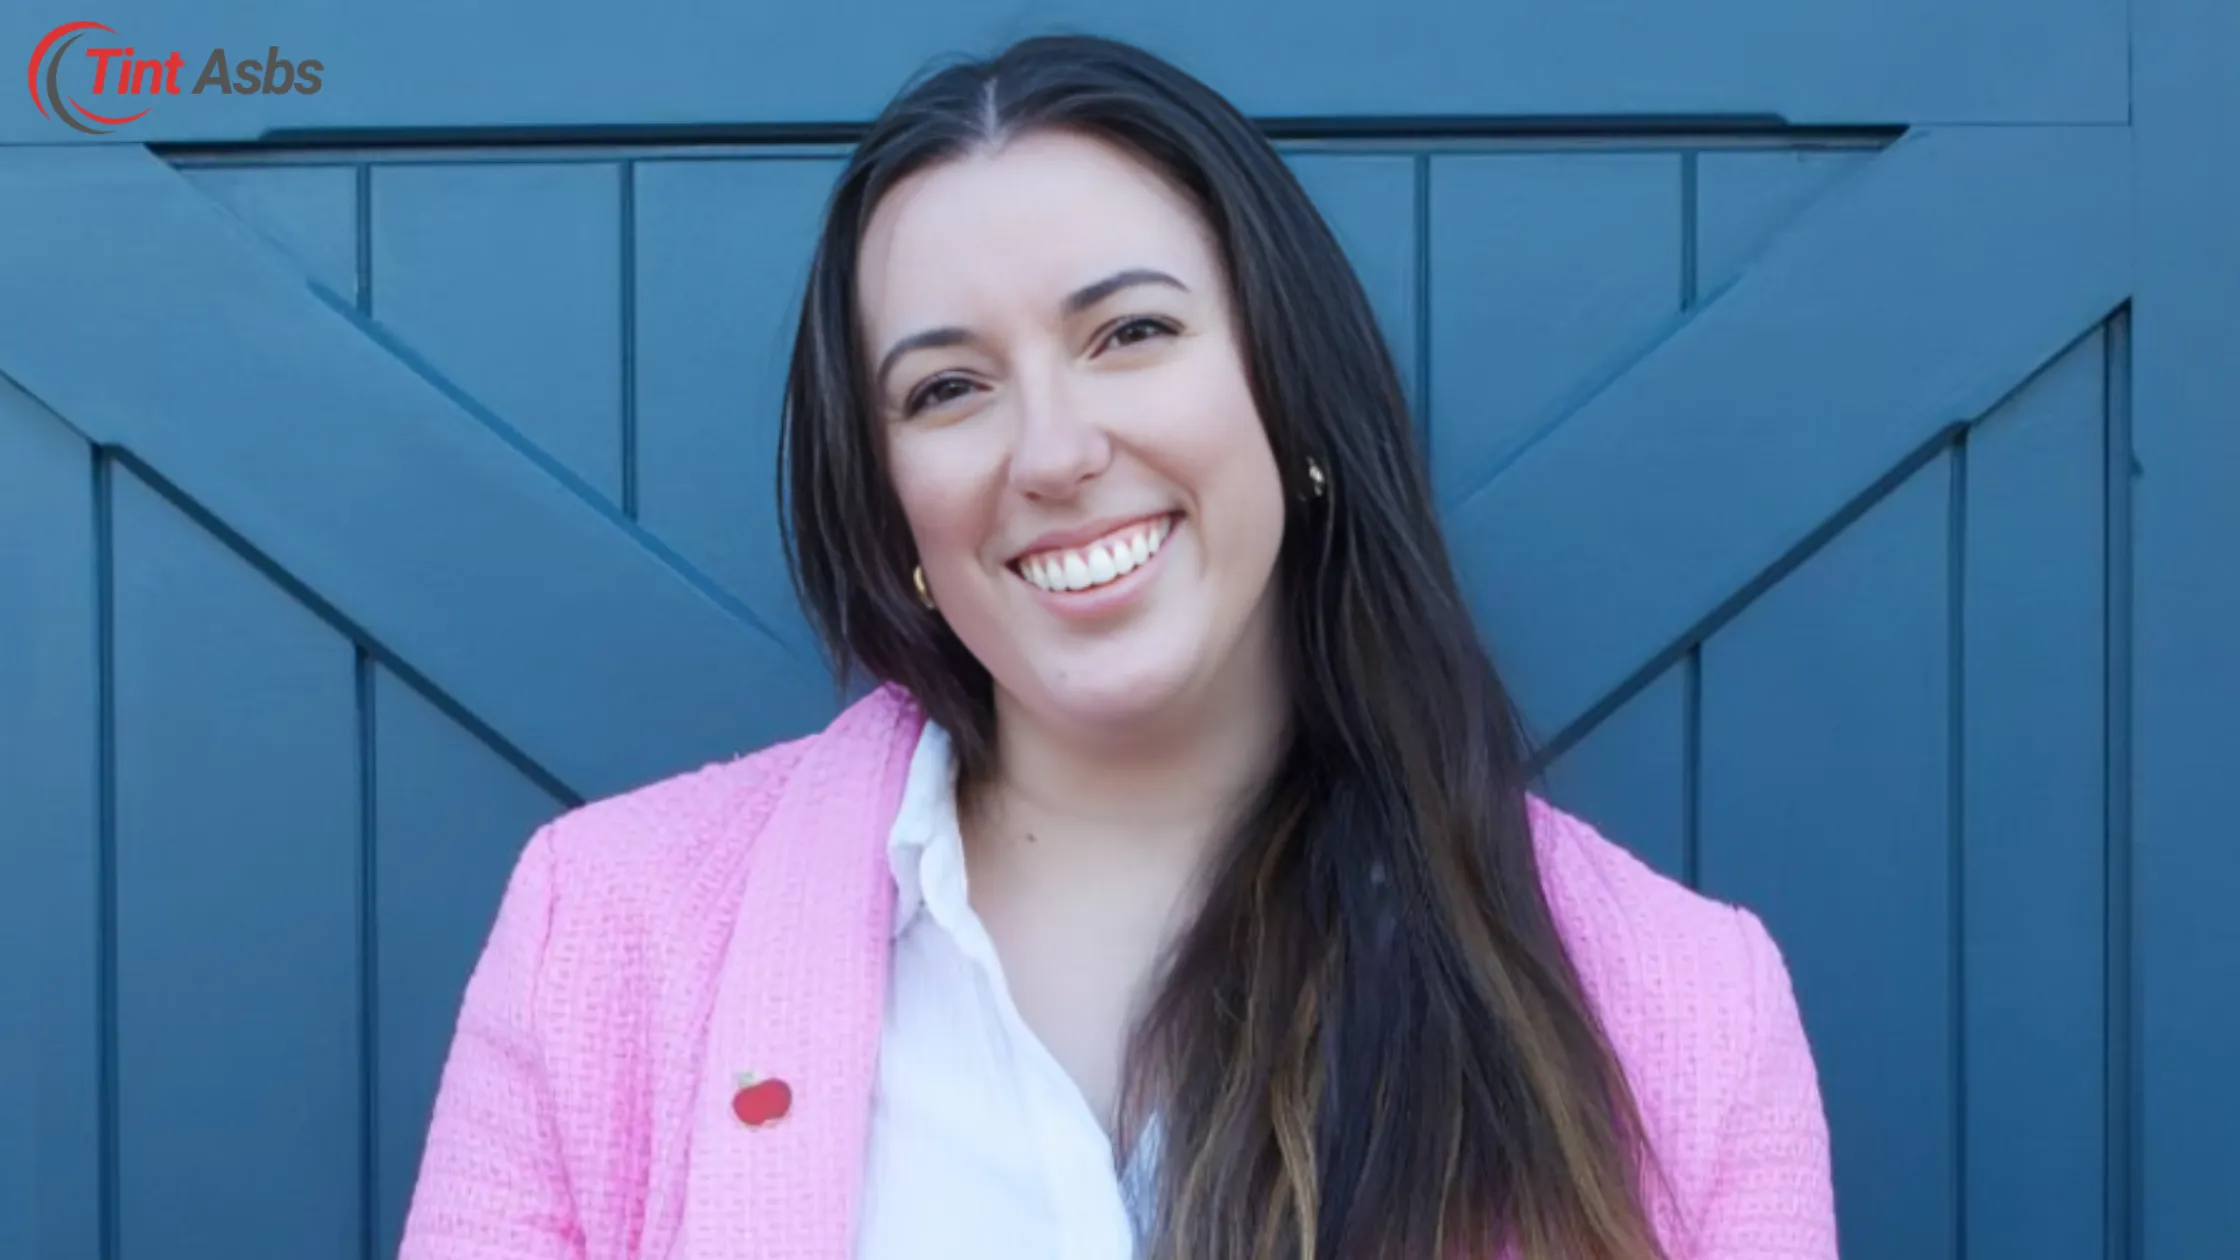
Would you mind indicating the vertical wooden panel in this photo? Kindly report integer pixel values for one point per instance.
(50, 839)
(1827, 806)
(2182, 683)
(1629, 775)
(1745, 197)
(1547, 270)
(722, 256)
(237, 926)
(1370, 203)
(2033, 854)
(507, 278)
(309, 212)
(451, 818)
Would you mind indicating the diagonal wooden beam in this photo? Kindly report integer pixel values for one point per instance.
(1911, 298)
(150, 319)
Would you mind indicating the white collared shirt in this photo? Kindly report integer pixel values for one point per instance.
(981, 1144)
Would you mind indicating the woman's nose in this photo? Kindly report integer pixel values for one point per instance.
(1057, 445)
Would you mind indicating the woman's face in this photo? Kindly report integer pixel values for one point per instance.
(1069, 429)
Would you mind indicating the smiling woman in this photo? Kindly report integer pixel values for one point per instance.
(1029, 422)
(1179, 894)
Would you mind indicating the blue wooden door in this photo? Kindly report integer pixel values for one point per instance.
(370, 496)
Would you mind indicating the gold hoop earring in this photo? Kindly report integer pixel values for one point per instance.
(1316, 479)
(918, 576)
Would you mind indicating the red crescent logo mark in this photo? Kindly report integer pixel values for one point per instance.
(114, 122)
(57, 33)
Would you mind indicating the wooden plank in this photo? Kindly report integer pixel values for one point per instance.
(723, 253)
(237, 923)
(309, 213)
(1547, 269)
(1747, 197)
(450, 817)
(1915, 295)
(50, 838)
(583, 641)
(428, 63)
(1629, 775)
(1827, 808)
(506, 280)
(2033, 842)
(2184, 688)
(1370, 203)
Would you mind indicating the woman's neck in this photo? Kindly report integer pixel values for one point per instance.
(1182, 774)
(1087, 852)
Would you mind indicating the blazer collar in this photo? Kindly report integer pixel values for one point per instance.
(923, 842)
(800, 999)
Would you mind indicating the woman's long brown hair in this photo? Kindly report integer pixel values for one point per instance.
(1370, 1044)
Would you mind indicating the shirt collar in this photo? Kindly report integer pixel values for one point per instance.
(924, 848)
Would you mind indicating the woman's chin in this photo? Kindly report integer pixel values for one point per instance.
(1109, 701)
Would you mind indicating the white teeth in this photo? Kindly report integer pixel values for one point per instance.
(1099, 563)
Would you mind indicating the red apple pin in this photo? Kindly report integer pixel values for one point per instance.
(760, 1102)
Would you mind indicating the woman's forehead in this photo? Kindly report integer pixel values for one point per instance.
(1033, 221)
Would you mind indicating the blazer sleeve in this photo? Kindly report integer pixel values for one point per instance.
(492, 1185)
(1772, 1195)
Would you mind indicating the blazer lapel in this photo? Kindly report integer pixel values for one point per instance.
(798, 1006)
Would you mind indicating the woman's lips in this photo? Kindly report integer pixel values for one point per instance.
(1093, 565)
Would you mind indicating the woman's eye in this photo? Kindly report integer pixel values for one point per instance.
(932, 395)
(1143, 322)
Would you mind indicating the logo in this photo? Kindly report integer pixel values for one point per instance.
(122, 72)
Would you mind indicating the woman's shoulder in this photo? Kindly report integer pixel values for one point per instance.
(619, 908)
(658, 838)
(1670, 967)
(1697, 1002)
(1622, 918)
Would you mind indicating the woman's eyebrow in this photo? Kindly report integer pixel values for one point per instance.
(1079, 300)
(1089, 295)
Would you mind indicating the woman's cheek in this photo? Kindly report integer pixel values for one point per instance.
(944, 479)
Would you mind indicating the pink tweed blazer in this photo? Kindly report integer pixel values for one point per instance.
(655, 946)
